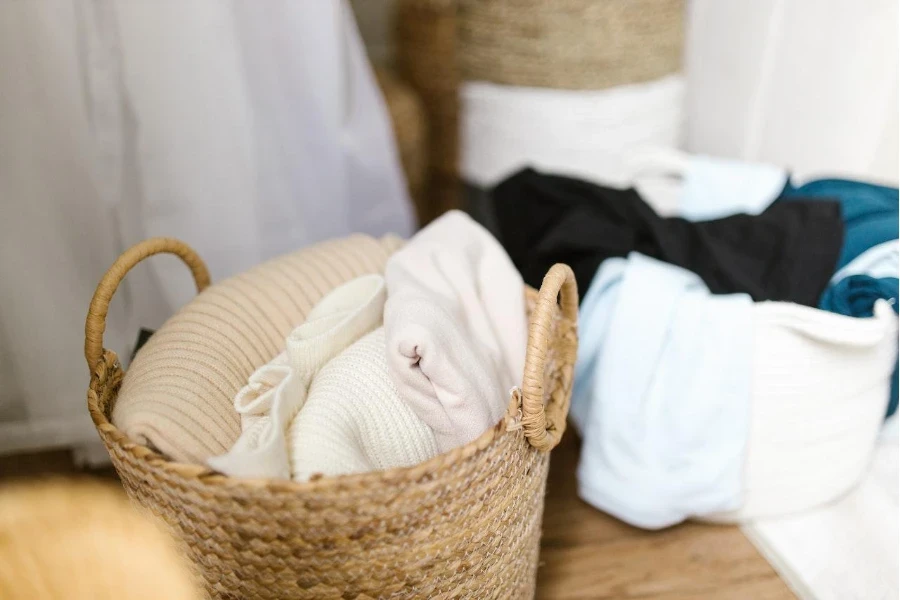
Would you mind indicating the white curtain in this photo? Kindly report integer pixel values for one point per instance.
(804, 84)
(247, 129)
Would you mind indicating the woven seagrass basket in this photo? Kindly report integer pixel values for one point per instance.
(569, 44)
(465, 524)
(425, 32)
(411, 134)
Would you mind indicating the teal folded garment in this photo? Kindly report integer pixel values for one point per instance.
(871, 213)
(855, 295)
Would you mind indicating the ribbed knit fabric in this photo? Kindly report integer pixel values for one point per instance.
(177, 395)
(278, 390)
(354, 421)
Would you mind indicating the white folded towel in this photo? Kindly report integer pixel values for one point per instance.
(455, 327)
(701, 188)
(278, 390)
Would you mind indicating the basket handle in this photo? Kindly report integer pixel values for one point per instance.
(544, 427)
(95, 324)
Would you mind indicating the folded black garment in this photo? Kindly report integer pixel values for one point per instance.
(787, 253)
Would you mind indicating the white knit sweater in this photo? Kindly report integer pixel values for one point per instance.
(278, 390)
(354, 421)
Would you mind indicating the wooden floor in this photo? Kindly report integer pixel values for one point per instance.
(587, 555)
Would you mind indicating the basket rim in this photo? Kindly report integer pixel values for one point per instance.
(109, 373)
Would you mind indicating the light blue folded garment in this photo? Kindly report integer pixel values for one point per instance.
(662, 393)
(882, 260)
(720, 187)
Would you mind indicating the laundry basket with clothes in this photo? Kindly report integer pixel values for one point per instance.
(362, 418)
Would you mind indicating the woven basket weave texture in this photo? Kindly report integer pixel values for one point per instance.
(426, 58)
(410, 131)
(569, 44)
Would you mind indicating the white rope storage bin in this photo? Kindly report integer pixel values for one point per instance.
(820, 385)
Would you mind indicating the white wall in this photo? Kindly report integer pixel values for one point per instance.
(804, 84)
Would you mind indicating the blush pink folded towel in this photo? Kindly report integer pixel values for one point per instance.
(455, 327)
